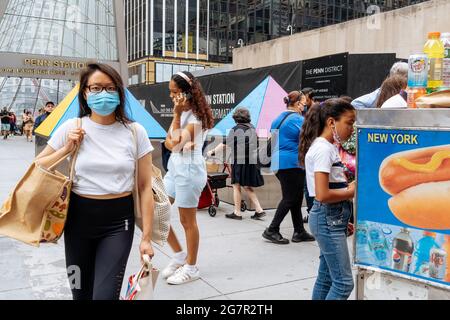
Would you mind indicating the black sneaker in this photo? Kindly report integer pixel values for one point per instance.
(302, 236)
(233, 216)
(258, 215)
(274, 237)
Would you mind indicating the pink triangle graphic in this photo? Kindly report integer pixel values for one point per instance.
(272, 107)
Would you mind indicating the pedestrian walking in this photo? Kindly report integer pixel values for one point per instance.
(186, 176)
(242, 140)
(46, 111)
(329, 124)
(100, 225)
(286, 128)
(5, 119)
(28, 123)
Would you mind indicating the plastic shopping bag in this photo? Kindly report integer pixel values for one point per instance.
(142, 284)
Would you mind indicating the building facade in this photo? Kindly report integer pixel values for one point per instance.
(167, 36)
(45, 43)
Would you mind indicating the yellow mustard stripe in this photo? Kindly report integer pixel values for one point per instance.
(46, 127)
(429, 167)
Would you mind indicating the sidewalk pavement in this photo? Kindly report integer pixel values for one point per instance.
(235, 261)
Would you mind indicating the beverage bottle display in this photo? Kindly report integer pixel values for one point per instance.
(402, 250)
(413, 95)
(434, 49)
(363, 253)
(418, 71)
(438, 261)
(445, 38)
(446, 248)
(378, 246)
(422, 253)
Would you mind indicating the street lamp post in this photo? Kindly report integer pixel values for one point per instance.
(240, 43)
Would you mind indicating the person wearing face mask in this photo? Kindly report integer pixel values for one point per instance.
(99, 230)
(286, 134)
(186, 178)
(329, 124)
(309, 99)
(48, 109)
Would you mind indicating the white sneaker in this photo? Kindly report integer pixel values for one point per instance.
(182, 275)
(170, 269)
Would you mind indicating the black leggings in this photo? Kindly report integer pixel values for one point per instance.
(292, 182)
(98, 238)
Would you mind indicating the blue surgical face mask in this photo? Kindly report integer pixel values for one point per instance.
(103, 103)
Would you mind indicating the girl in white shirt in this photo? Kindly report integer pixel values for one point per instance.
(325, 127)
(186, 178)
(100, 222)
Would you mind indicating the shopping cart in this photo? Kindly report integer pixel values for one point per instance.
(217, 179)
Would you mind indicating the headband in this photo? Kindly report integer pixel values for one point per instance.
(185, 77)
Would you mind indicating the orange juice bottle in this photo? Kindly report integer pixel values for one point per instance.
(434, 49)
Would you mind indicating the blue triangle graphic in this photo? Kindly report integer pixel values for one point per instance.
(253, 102)
(136, 112)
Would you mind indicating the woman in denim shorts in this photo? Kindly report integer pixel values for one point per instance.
(326, 125)
(186, 176)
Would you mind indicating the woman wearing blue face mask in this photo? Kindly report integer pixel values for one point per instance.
(100, 225)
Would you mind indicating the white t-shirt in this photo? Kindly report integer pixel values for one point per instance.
(106, 160)
(188, 117)
(323, 156)
(395, 102)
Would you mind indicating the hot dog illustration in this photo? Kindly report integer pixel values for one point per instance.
(419, 182)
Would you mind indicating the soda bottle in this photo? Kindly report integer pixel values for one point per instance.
(378, 245)
(413, 94)
(363, 253)
(438, 261)
(422, 253)
(434, 49)
(402, 250)
(445, 38)
(446, 248)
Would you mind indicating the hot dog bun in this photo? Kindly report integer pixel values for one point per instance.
(395, 177)
(425, 206)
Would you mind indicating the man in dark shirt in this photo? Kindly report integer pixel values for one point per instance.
(5, 118)
(49, 106)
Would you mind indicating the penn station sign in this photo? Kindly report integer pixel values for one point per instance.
(30, 66)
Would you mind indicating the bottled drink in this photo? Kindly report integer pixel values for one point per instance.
(363, 254)
(418, 71)
(445, 38)
(402, 250)
(446, 248)
(438, 261)
(434, 49)
(413, 95)
(378, 245)
(422, 253)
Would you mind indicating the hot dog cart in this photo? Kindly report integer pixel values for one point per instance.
(401, 246)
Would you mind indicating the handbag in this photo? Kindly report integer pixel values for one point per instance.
(161, 215)
(142, 284)
(265, 153)
(36, 210)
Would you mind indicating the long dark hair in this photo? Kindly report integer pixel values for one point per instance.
(117, 80)
(316, 119)
(391, 87)
(200, 107)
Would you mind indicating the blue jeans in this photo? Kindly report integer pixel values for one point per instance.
(328, 224)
